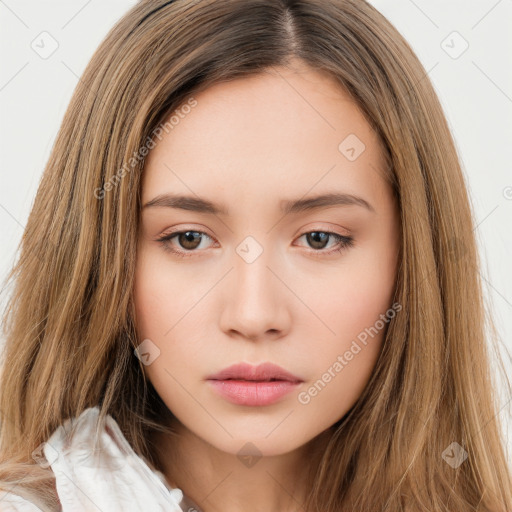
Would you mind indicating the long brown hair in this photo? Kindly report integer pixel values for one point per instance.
(69, 325)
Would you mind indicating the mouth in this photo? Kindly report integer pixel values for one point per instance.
(265, 372)
(245, 384)
(252, 392)
(239, 379)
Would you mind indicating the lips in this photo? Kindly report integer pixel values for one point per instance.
(264, 372)
(262, 385)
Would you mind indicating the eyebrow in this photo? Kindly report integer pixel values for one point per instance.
(288, 206)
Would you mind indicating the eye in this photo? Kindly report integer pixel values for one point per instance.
(318, 239)
(191, 240)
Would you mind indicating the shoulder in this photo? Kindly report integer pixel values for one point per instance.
(10, 502)
(104, 466)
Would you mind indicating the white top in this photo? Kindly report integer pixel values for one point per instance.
(112, 480)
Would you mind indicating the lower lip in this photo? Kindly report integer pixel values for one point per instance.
(253, 393)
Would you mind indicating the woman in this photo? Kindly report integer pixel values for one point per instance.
(241, 193)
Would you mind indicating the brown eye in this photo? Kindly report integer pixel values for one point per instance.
(318, 240)
(188, 242)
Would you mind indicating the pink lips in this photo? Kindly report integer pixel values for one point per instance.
(244, 384)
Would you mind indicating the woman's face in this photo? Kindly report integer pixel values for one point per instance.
(265, 271)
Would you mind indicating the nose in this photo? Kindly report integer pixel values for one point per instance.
(255, 301)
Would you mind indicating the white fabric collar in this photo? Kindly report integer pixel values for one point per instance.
(112, 478)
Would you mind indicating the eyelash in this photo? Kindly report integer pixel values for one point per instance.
(343, 242)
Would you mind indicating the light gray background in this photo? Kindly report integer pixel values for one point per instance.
(474, 86)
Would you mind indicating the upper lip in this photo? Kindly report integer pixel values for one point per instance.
(264, 371)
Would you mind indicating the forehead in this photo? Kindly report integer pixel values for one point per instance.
(282, 132)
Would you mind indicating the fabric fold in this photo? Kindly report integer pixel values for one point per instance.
(109, 477)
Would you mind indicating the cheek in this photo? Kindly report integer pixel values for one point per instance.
(355, 305)
(354, 296)
(158, 310)
(165, 311)
(161, 295)
(343, 363)
(151, 303)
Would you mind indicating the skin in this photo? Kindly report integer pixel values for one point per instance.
(247, 145)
